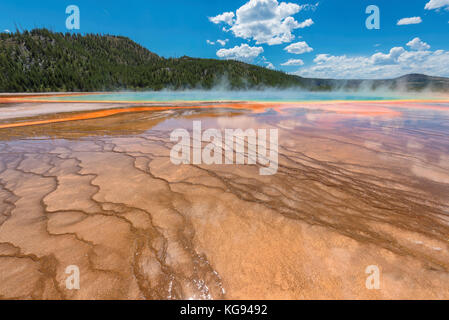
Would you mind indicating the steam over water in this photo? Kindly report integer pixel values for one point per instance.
(261, 96)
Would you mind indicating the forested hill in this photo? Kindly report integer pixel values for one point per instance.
(43, 61)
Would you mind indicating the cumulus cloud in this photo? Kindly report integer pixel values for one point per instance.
(222, 42)
(407, 21)
(7, 31)
(243, 52)
(270, 66)
(226, 17)
(418, 45)
(305, 24)
(265, 21)
(397, 62)
(298, 48)
(389, 58)
(437, 4)
(293, 62)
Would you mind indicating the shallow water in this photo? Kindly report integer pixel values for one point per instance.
(261, 96)
(358, 184)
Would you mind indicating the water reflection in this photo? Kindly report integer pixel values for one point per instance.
(358, 183)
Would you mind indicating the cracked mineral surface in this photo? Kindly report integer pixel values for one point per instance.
(359, 184)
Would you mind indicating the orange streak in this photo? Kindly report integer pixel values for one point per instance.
(83, 116)
(111, 112)
(367, 108)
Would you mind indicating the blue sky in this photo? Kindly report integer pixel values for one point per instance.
(325, 38)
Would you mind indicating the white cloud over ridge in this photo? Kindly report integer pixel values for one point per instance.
(298, 48)
(243, 52)
(437, 4)
(270, 66)
(293, 62)
(265, 21)
(397, 62)
(407, 21)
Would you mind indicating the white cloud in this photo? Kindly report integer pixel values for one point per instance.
(437, 4)
(407, 21)
(418, 45)
(311, 7)
(298, 48)
(305, 24)
(397, 62)
(265, 21)
(226, 17)
(270, 66)
(243, 52)
(7, 31)
(222, 42)
(389, 58)
(293, 62)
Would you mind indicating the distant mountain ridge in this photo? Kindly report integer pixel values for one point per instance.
(45, 61)
(410, 82)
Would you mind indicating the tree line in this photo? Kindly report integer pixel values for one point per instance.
(45, 61)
